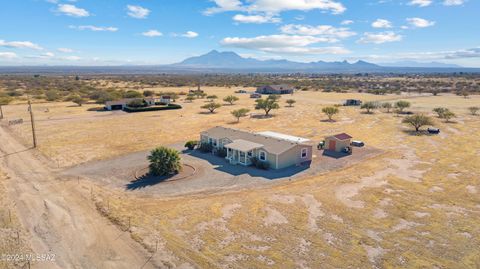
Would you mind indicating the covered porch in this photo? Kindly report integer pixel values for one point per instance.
(241, 151)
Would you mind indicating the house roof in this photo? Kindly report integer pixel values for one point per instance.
(290, 138)
(342, 136)
(272, 145)
(243, 145)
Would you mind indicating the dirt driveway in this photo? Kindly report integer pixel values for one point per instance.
(213, 174)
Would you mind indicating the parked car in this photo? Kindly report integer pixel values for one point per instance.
(357, 143)
(433, 130)
(347, 150)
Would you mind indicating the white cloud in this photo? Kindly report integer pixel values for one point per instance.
(49, 54)
(347, 22)
(73, 11)
(8, 55)
(420, 3)
(288, 44)
(190, 34)
(94, 28)
(428, 56)
(380, 38)
(382, 23)
(70, 58)
(20, 45)
(326, 31)
(258, 19)
(275, 6)
(137, 12)
(453, 2)
(152, 33)
(419, 22)
(65, 50)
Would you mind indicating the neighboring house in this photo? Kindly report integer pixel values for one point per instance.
(338, 142)
(122, 103)
(353, 102)
(279, 150)
(275, 89)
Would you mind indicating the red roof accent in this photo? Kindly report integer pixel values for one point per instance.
(342, 136)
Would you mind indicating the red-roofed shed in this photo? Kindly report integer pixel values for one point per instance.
(338, 142)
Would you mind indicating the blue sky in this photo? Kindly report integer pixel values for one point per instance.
(113, 32)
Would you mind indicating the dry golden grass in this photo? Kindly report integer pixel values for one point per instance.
(416, 206)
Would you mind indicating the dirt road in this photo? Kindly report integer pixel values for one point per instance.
(60, 220)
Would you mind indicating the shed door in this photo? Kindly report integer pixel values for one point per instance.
(332, 145)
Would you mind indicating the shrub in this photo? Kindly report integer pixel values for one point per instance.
(148, 93)
(164, 161)
(290, 102)
(137, 103)
(369, 106)
(132, 94)
(401, 106)
(231, 99)
(52, 95)
(474, 110)
(191, 144)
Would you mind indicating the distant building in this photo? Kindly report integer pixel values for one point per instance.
(352, 102)
(151, 101)
(279, 150)
(275, 89)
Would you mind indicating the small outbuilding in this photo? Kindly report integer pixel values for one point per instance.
(338, 142)
(352, 102)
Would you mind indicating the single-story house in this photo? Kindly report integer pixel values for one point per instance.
(279, 150)
(275, 89)
(353, 102)
(337, 142)
(122, 103)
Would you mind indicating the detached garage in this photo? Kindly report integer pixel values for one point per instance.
(338, 142)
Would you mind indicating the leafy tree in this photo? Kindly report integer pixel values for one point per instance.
(417, 121)
(3, 102)
(104, 97)
(137, 103)
(212, 106)
(387, 106)
(401, 106)
(212, 97)
(330, 111)
(164, 161)
(447, 115)
(290, 102)
(173, 96)
(465, 94)
(191, 144)
(52, 95)
(369, 106)
(231, 99)
(267, 104)
(440, 111)
(190, 98)
(148, 93)
(77, 99)
(474, 110)
(239, 113)
(132, 94)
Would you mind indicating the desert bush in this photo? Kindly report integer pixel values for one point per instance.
(211, 107)
(401, 105)
(191, 144)
(330, 111)
(369, 106)
(239, 113)
(474, 110)
(231, 99)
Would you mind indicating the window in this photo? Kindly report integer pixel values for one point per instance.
(304, 153)
(250, 153)
(262, 156)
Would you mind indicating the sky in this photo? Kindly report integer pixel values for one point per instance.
(145, 32)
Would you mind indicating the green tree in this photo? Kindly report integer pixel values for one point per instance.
(474, 110)
(211, 106)
(189, 98)
(401, 105)
(448, 115)
(137, 103)
(440, 111)
(211, 98)
(52, 95)
(267, 104)
(369, 106)
(465, 94)
(3, 102)
(191, 144)
(231, 99)
(239, 113)
(330, 111)
(290, 102)
(148, 93)
(77, 99)
(387, 106)
(164, 161)
(132, 94)
(417, 121)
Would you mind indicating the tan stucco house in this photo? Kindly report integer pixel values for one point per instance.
(122, 103)
(279, 150)
(337, 142)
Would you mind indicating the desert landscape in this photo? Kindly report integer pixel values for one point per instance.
(412, 203)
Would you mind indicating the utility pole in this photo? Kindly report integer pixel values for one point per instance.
(33, 123)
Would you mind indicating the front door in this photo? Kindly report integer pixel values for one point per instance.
(332, 145)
